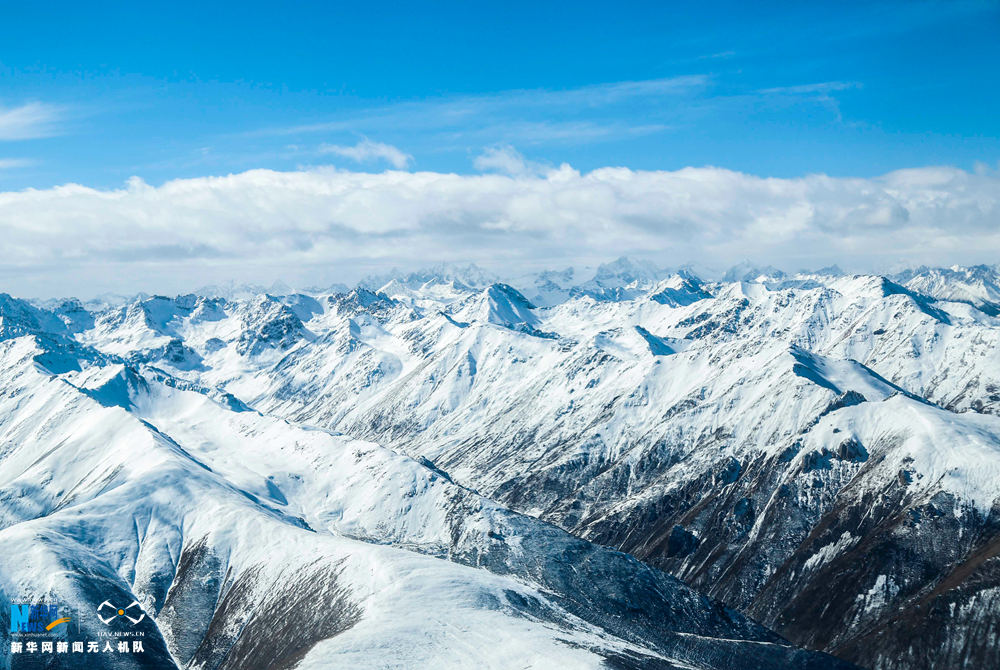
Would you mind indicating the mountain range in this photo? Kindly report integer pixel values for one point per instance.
(620, 466)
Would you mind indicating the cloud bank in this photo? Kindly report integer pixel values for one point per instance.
(321, 225)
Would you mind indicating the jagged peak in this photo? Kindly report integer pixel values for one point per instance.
(679, 290)
(499, 304)
(627, 269)
(467, 276)
(20, 317)
(362, 296)
(747, 270)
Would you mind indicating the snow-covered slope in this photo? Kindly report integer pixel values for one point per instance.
(250, 542)
(820, 451)
(978, 285)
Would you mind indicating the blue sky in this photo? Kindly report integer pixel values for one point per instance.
(164, 146)
(95, 93)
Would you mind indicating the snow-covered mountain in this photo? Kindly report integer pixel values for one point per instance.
(978, 285)
(621, 279)
(442, 469)
(251, 542)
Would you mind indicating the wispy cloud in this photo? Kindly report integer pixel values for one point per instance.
(552, 132)
(819, 93)
(583, 112)
(599, 94)
(13, 163)
(565, 117)
(821, 88)
(30, 121)
(367, 151)
(719, 55)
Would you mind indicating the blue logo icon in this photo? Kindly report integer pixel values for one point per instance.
(27, 618)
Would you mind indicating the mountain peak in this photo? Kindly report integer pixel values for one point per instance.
(748, 271)
(499, 304)
(625, 270)
(468, 276)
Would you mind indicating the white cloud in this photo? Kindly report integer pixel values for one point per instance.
(367, 151)
(29, 121)
(323, 224)
(505, 159)
(11, 163)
